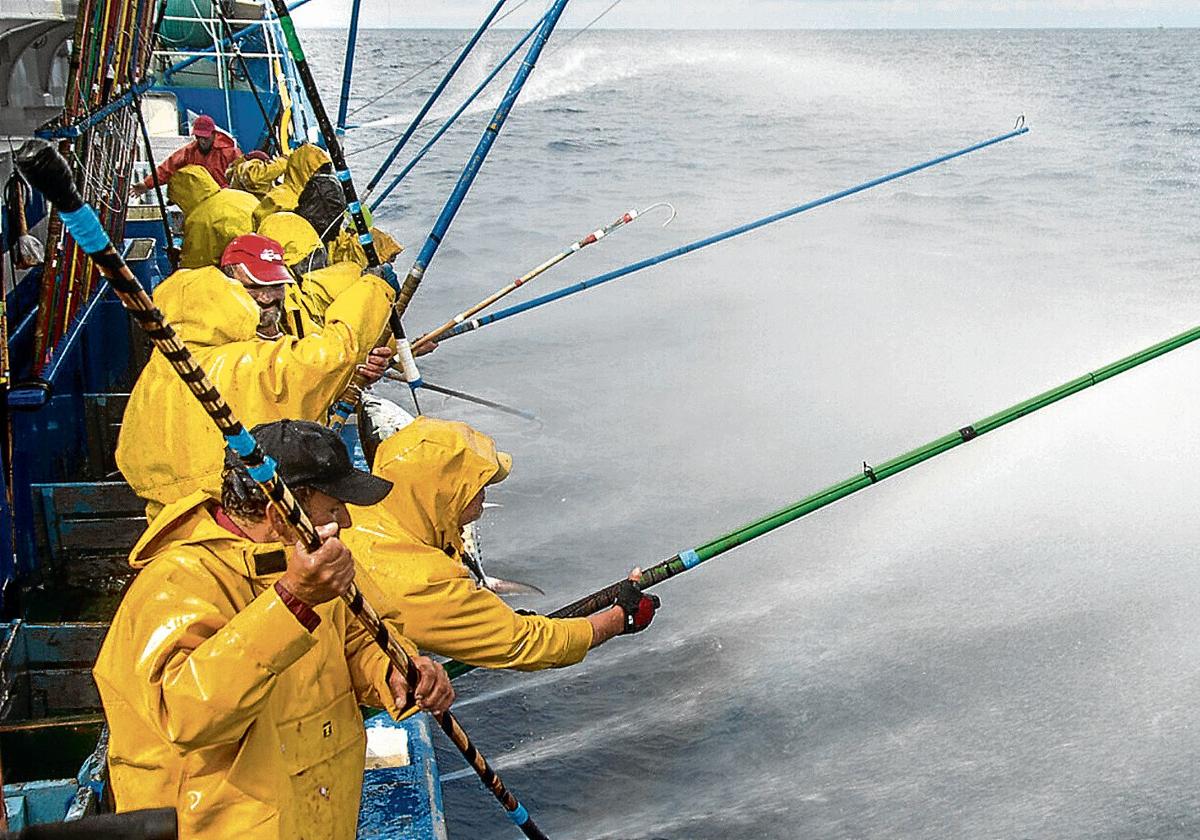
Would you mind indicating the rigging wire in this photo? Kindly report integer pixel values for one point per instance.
(563, 45)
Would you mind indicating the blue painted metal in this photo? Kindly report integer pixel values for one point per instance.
(566, 291)
(348, 66)
(33, 803)
(437, 135)
(403, 803)
(433, 97)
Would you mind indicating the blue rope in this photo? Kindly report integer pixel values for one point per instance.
(468, 326)
(433, 97)
(453, 117)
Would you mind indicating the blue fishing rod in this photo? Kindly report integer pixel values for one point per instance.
(433, 97)
(437, 135)
(566, 291)
(413, 280)
(348, 66)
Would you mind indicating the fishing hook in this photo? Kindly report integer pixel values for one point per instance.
(657, 204)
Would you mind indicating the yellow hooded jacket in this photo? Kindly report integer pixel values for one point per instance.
(409, 544)
(220, 704)
(168, 446)
(212, 216)
(302, 164)
(255, 176)
(346, 248)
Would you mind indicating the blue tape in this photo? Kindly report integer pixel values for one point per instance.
(264, 471)
(416, 383)
(242, 443)
(690, 559)
(343, 174)
(520, 816)
(342, 408)
(354, 207)
(86, 229)
(364, 238)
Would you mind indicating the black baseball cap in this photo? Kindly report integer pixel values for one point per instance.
(308, 454)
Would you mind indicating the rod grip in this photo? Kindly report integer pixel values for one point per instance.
(152, 824)
(589, 604)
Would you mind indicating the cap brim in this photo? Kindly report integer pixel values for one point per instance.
(356, 488)
(203, 133)
(269, 274)
(505, 461)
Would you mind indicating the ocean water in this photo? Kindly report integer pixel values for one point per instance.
(1001, 643)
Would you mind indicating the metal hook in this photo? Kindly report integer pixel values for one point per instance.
(1020, 122)
(661, 204)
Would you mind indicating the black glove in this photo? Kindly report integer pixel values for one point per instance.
(639, 608)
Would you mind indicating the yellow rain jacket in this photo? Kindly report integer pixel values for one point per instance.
(212, 216)
(255, 176)
(220, 704)
(345, 247)
(302, 164)
(408, 545)
(168, 447)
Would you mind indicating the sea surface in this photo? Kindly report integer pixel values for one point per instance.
(1001, 643)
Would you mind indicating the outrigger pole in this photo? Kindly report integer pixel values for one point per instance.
(348, 67)
(574, 247)
(450, 120)
(433, 97)
(346, 403)
(566, 291)
(693, 557)
(48, 172)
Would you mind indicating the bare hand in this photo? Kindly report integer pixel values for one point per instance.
(377, 362)
(137, 191)
(324, 574)
(425, 348)
(433, 693)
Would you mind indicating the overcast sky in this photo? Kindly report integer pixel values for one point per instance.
(773, 14)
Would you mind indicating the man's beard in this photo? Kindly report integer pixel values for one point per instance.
(270, 322)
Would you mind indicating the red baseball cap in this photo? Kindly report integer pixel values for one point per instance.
(204, 126)
(261, 256)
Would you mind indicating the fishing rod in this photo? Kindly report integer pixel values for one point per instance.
(346, 403)
(445, 126)
(692, 557)
(433, 97)
(348, 66)
(454, 202)
(578, 245)
(168, 237)
(354, 207)
(396, 376)
(47, 170)
(566, 291)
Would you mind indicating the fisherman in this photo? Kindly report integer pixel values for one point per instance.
(209, 147)
(303, 252)
(256, 172)
(230, 320)
(323, 204)
(232, 674)
(304, 162)
(410, 549)
(212, 216)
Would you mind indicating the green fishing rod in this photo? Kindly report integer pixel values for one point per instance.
(48, 172)
(692, 557)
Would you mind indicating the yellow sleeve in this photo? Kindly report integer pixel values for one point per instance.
(446, 613)
(301, 378)
(197, 674)
(369, 665)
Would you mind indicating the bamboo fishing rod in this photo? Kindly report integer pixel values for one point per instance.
(350, 397)
(574, 248)
(474, 324)
(48, 172)
(692, 557)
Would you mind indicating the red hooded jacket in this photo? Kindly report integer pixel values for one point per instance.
(224, 151)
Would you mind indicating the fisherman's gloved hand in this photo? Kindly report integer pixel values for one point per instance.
(387, 274)
(639, 608)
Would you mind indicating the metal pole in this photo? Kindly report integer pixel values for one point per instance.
(348, 68)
